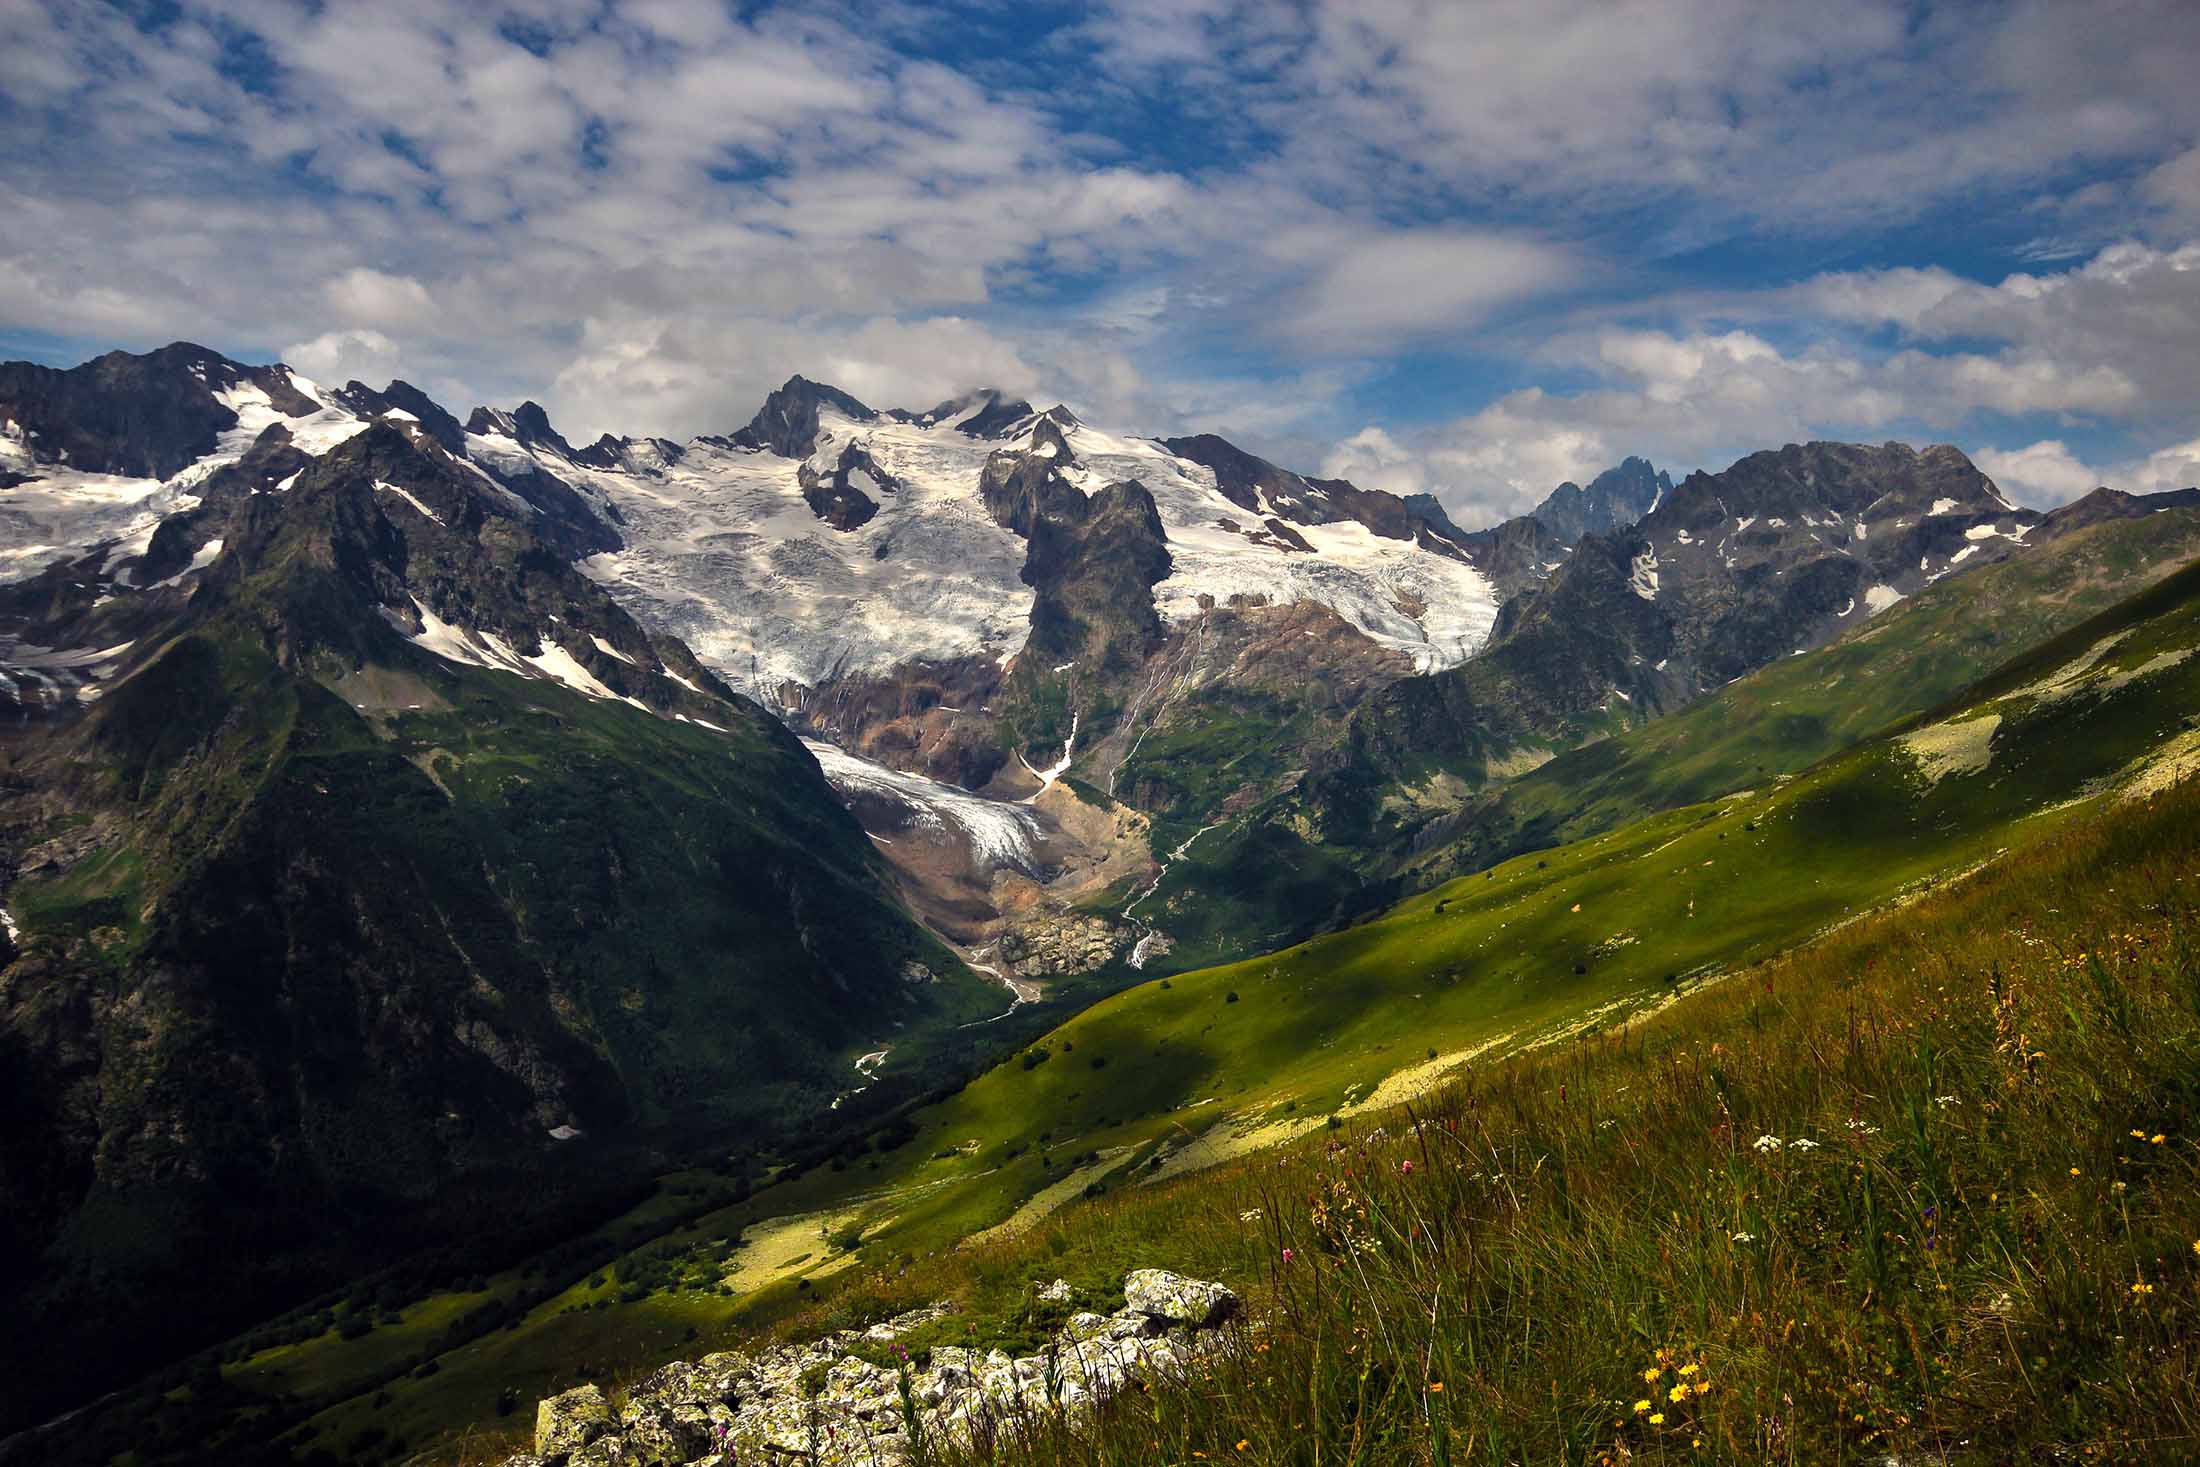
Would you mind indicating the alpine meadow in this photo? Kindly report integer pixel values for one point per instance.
(874, 733)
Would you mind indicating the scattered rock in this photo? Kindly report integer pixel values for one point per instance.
(819, 1403)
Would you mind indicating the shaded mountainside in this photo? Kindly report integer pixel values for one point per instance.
(2065, 770)
(395, 852)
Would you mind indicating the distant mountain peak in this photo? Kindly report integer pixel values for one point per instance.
(787, 422)
(1613, 500)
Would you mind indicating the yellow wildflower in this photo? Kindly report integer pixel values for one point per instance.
(1690, 1368)
(2142, 1288)
(2156, 1139)
(2074, 1172)
(2138, 1135)
(1651, 1374)
(1436, 1387)
(1658, 1419)
(1678, 1393)
(1642, 1406)
(1244, 1442)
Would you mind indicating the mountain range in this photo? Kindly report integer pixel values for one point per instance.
(400, 807)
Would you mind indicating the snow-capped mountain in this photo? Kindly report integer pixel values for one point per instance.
(873, 546)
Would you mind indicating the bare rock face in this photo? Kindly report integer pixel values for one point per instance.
(822, 1404)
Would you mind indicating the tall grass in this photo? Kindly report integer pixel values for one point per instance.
(1921, 1191)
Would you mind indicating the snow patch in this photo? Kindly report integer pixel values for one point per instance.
(410, 498)
(610, 651)
(998, 834)
(1879, 598)
(1642, 576)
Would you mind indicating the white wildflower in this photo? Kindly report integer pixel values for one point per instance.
(1945, 1101)
(1804, 1143)
(1769, 1143)
(1745, 1237)
(1250, 1215)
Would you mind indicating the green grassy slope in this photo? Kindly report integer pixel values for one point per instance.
(1238, 886)
(1797, 711)
(1174, 1075)
(1925, 1190)
(1541, 942)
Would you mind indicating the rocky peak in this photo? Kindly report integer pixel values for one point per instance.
(146, 415)
(402, 397)
(998, 418)
(528, 425)
(635, 455)
(1616, 498)
(787, 422)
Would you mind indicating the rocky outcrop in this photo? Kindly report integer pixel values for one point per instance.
(1059, 942)
(826, 1404)
(839, 492)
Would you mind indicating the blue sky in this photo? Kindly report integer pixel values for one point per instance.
(1469, 248)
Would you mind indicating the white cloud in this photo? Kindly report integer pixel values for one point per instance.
(2047, 473)
(336, 357)
(678, 202)
(1382, 290)
(370, 298)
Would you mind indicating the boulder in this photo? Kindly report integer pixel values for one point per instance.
(1171, 1298)
(566, 1423)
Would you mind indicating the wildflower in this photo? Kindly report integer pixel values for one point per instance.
(2138, 1135)
(1436, 1387)
(2142, 1289)
(1657, 1418)
(2156, 1139)
(1244, 1442)
(1690, 1368)
(1641, 1406)
(1651, 1375)
(1287, 1255)
(1804, 1143)
(1945, 1101)
(1767, 1143)
(2075, 1172)
(1406, 1167)
(1250, 1215)
(1745, 1237)
(1678, 1393)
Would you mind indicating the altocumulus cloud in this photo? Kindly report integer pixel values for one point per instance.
(1467, 249)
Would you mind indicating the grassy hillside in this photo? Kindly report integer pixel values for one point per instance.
(1801, 709)
(1268, 876)
(1185, 1074)
(1927, 1189)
